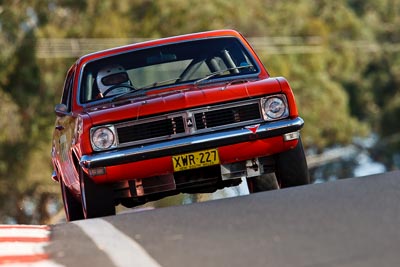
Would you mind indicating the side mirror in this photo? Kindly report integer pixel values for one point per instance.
(61, 110)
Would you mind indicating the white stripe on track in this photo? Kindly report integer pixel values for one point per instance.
(21, 248)
(24, 232)
(121, 249)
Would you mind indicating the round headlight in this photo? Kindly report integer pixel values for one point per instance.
(275, 108)
(103, 138)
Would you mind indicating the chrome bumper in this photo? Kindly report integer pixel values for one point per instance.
(190, 143)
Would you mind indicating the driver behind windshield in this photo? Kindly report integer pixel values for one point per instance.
(108, 79)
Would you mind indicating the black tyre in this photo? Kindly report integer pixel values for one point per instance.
(263, 182)
(291, 167)
(72, 206)
(97, 199)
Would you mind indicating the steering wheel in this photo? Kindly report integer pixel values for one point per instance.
(112, 88)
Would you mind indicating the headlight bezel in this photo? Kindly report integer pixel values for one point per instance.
(274, 107)
(101, 131)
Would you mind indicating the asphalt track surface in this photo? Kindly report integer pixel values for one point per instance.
(352, 222)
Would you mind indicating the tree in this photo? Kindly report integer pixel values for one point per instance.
(21, 102)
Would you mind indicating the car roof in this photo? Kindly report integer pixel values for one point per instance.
(186, 37)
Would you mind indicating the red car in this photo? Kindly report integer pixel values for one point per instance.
(191, 113)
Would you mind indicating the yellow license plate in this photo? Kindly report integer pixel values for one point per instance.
(195, 160)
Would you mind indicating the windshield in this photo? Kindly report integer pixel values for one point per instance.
(185, 62)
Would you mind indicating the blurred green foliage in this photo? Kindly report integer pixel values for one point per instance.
(350, 88)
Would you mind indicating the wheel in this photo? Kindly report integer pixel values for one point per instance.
(72, 206)
(264, 182)
(97, 199)
(291, 167)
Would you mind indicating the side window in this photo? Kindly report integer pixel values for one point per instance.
(67, 91)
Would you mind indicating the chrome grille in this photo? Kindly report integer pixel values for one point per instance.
(151, 129)
(176, 125)
(220, 117)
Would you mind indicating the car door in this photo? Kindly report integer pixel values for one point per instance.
(63, 136)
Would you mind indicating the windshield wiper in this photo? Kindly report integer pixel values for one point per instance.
(140, 92)
(216, 73)
(136, 92)
(158, 83)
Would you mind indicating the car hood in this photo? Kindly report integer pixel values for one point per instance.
(184, 98)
